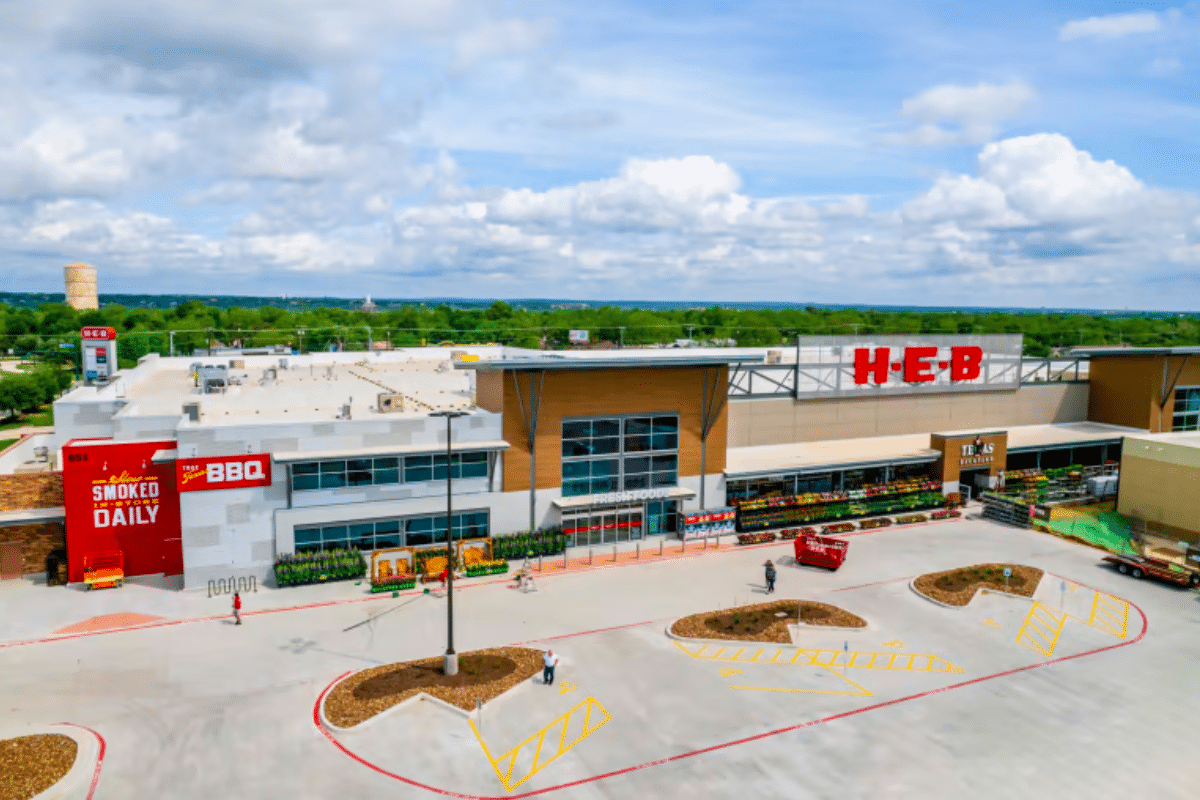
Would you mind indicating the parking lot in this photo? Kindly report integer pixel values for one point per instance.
(1088, 688)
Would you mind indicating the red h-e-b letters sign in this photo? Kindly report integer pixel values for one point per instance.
(917, 364)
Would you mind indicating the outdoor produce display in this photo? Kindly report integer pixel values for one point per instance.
(394, 583)
(946, 513)
(542, 542)
(299, 569)
(874, 522)
(778, 512)
(477, 568)
(1029, 484)
(755, 538)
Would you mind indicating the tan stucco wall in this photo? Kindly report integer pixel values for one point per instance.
(1160, 483)
(758, 422)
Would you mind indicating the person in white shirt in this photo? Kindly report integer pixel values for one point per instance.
(551, 661)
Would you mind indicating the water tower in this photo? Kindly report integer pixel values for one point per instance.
(81, 287)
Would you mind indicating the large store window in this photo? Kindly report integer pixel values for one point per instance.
(1187, 409)
(381, 534)
(586, 527)
(662, 516)
(336, 474)
(619, 453)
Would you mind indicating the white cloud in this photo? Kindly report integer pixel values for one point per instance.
(1164, 66)
(1111, 26)
(973, 112)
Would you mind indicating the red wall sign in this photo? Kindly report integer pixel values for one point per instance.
(98, 333)
(117, 498)
(223, 472)
(916, 364)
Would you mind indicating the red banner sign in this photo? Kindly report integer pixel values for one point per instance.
(916, 365)
(223, 472)
(117, 498)
(98, 333)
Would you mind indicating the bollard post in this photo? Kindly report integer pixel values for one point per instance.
(564, 558)
(539, 562)
(637, 555)
(614, 554)
(589, 556)
(660, 546)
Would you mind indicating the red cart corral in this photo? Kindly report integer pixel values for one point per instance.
(821, 551)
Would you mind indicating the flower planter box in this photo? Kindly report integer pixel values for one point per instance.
(910, 519)
(946, 513)
(302, 569)
(487, 568)
(394, 584)
(755, 538)
(877, 522)
(837, 527)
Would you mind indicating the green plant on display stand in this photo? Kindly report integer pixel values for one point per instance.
(300, 569)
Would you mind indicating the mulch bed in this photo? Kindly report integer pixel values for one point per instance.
(30, 765)
(482, 675)
(762, 622)
(956, 587)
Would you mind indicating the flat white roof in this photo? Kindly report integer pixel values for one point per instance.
(911, 448)
(1181, 438)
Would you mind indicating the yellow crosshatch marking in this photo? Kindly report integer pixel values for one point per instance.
(991, 623)
(567, 687)
(1041, 629)
(581, 721)
(1110, 614)
(727, 671)
(860, 691)
(853, 659)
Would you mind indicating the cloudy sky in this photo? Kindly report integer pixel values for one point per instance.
(1021, 153)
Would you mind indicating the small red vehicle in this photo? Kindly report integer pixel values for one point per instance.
(104, 570)
(1140, 567)
(820, 551)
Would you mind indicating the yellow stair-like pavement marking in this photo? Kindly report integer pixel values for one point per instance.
(1041, 629)
(854, 659)
(546, 744)
(1110, 614)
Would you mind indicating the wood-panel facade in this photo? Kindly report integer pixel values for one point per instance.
(605, 393)
(1127, 390)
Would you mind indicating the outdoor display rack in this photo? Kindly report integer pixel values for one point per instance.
(1008, 510)
(899, 496)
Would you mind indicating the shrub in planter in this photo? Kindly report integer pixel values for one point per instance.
(542, 542)
(946, 513)
(327, 565)
(478, 568)
(838, 527)
(909, 519)
(396, 583)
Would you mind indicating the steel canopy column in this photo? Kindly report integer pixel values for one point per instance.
(529, 415)
(712, 402)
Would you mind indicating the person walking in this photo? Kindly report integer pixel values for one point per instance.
(237, 609)
(551, 661)
(769, 572)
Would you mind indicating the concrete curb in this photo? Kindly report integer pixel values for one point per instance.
(78, 779)
(793, 631)
(913, 585)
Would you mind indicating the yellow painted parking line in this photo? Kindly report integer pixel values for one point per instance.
(991, 623)
(854, 659)
(505, 765)
(1110, 614)
(728, 671)
(1041, 629)
(859, 691)
(567, 687)
(894, 643)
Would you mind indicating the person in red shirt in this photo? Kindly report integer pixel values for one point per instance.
(442, 577)
(237, 609)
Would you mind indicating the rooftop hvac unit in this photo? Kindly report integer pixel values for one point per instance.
(237, 363)
(283, 363)
(774, 356)
(192, 411)
(390, 402)
(345, 411)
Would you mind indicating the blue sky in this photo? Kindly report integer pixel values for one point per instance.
(854, 152)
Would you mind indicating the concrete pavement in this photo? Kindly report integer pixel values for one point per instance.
(189, 710)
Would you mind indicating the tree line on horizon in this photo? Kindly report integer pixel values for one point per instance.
(42, 331)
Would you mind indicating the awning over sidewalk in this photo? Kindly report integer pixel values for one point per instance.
(623, 498)
(32, 516)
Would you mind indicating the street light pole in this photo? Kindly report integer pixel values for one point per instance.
(450, 660)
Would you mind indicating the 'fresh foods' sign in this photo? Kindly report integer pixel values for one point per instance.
(223, 472)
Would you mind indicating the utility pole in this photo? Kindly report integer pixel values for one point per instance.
(172, 335)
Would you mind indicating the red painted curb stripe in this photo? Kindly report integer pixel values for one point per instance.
(713, 748)
(99, 759)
